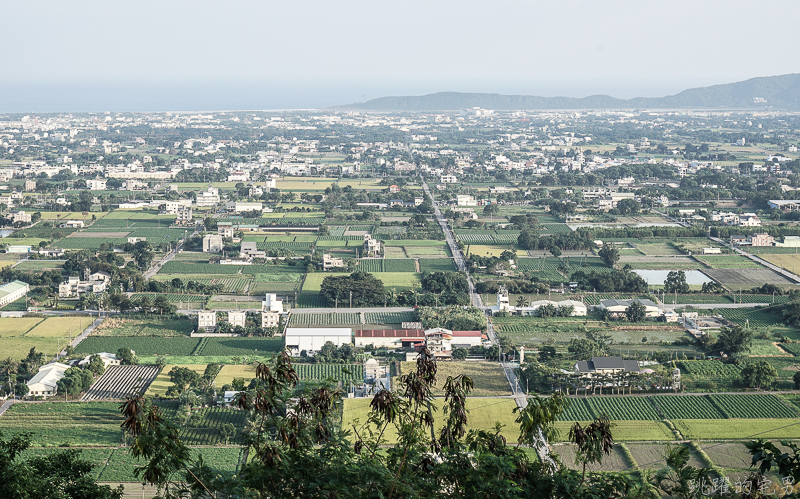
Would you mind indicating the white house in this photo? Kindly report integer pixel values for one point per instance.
(44, 383)
(331, 262)
(311, 339)
(617, 307)
(109, 359)
(206, 321)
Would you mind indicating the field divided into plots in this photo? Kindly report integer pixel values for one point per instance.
(678, 407)
(324, 319)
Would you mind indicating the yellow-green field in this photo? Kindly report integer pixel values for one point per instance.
(7, 263)
(396, 280)
(790, 262)
(158, 388)
(483, 414)
(489, 378)
(19, 335)
(17, 326)
(228, 372)
(731, 429)
(60, 327)
(629, 431)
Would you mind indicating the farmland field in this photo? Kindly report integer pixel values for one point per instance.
(728, 262)
(153, 326)
(336, 372)
(750, 316)
(397, 280)
(789, 262)
(735, 429)
(60, 327)
(324, 319)
(437, 265)
(489, 378)
(39, 265)
(388, 317)
(142, 345)
(17, 326)
(483, 413)
(230, 371)
(626, 431)
(615, 461)
(240, 346)
(746, 278)
(58, 423)
(428, 251)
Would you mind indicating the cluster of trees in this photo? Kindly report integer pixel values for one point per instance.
(514, 286)
(184, 379)
(18, 370)
(438, 288)
(77, 380)
(578, 240)
(676, 282)
(329, 354)
(607, 282)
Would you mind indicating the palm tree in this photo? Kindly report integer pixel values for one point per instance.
(521, 301)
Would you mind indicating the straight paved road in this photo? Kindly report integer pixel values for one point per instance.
(6, 405)
(458, 257)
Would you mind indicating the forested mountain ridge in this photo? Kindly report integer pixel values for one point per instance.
(778, 92)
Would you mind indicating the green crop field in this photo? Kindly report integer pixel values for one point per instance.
(728, 262)
(239, 346)
(616, 408)
(751, 317)
(142, 345)
(625, 431)
(388, 317)
(324, 319)
(736, 429)
(437, 265)
(336, 372)
(58, 423)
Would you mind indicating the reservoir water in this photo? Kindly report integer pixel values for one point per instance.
(657, 277)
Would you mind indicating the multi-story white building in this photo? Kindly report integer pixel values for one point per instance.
(208, 197)
(95, 283)
(206, 321)
(237, 318)
(371, 246)
(271, 310)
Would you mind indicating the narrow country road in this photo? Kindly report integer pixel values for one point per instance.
(169, 256)
(458, 257)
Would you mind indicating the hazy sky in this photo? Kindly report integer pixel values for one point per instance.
(201, 55)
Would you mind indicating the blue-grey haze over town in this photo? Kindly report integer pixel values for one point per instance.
(209, 55)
